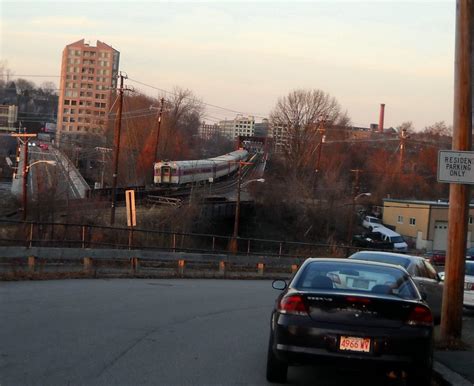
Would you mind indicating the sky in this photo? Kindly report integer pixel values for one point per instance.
(242, 56)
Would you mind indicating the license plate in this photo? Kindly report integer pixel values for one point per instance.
(350, 343)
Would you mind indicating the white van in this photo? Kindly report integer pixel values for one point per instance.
(392, 237)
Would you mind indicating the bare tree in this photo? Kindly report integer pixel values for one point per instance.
(299, 114)
(439, 129)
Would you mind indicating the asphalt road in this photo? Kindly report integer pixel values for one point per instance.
(143, 332)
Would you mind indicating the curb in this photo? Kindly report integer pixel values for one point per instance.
(448, 376)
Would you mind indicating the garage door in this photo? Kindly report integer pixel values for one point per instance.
(440, 240)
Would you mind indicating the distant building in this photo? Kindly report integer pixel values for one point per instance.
(207, 131)
(88, 80)
(240, 126)
(8, 117)
(424, 222)
(261, 129)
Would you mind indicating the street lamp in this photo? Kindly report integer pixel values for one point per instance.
(26, 170)
(351, 216)
(233, 245)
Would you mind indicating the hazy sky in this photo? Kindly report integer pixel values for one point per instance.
(244, 55)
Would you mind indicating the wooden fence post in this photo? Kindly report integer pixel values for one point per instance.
(87, 264)
(260, 267)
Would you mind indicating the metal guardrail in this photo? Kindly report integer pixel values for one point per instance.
(67, 235)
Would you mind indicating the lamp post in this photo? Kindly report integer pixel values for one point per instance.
(26, 169)
(233, 245)
(351, 216)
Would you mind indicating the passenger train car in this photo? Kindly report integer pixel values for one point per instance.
(186, 172)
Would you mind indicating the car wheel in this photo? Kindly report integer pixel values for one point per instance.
(420, 377)
(277, 370)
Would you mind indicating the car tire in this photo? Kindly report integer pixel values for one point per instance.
(420, 377)
(277, 370)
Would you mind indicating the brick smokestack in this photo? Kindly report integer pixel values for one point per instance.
(381, 117)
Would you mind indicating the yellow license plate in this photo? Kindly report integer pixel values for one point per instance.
(351, 343)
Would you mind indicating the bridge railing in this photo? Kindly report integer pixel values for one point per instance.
(67, 235)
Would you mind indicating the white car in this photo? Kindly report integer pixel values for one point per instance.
(371, 222)
(468, 284)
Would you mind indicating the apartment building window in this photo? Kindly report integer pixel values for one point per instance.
(470, 220)
(65, 111)
(412, 221)
(400, 219)
(67, 102)
(73, 103)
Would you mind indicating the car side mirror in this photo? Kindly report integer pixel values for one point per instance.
(279, 284)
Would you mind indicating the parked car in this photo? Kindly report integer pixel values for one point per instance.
(371, 240)
(44, 146)
(470, 253)
(399, 244)
(468, 301)
(371, 222)
(422, 272)
(351, 312)
(436, 257)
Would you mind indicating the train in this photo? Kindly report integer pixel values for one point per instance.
(181, 173)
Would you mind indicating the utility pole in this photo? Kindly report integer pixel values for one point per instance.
(451, 312)
(233, 245)
(355, 192)
(322, 131)
(155, 153)
(403, 137)
(117, 131)
(24, 138)
(25, 178)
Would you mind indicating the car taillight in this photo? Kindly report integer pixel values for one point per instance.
(356, 299)
(292, 304)
(420, 316)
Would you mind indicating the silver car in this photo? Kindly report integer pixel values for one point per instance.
(422, 272)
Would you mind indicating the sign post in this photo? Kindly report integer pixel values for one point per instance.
(131, 215)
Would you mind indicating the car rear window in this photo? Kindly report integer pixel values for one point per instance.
(470, 268)
(357, 277)
(382, 258)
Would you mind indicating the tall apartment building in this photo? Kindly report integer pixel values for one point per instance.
(240, 126)
(87, 87)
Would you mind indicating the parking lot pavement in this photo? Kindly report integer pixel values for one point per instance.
(458, 362)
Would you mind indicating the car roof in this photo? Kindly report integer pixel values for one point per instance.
(386, 231)
(388, 255)
(354, 260)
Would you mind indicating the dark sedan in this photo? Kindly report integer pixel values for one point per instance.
(354, 313)
(424, 275)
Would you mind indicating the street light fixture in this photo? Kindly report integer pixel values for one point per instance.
(233, 245)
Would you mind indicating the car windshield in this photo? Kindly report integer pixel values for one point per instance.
(397, 239)
(470, 268)
(382, 258)
(356, 277)
(374, 220)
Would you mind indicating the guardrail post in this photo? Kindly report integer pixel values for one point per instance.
(83, 236)
(31, 264)
(87, 264)
(30, 238)
(294, 268)
(134, 264)
(281, 247)
(181, 266)
(174, 242)
(260, 268)
(222, 267)
(213, 242)
(248, 247)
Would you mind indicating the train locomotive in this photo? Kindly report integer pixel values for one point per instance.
(180, 173)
